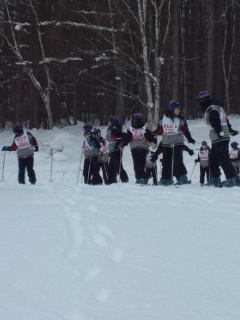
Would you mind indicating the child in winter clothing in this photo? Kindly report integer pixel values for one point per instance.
(220, 133)
(91, 149)
(139, 137)
(235, 156)
(173, 127)
(25, 144)
(203, 158)
(116, 141)
(103, 155)
(151, 169)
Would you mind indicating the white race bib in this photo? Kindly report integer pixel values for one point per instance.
(22, 142)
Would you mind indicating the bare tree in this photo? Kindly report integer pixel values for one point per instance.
(228, 50)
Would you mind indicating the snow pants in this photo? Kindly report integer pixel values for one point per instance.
(115, 167)
(104, 166)
(204, 171)
(139, 162)
(173, 157)
(91, 171)
(23, 164)
(219, 156)
(152, 172)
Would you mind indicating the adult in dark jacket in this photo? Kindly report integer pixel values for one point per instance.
(91, 152)
(116, 141)
(139, 138)
(25, 144)
(220, 133)
(173, 127)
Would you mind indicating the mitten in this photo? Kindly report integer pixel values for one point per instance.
(5, 148)
(234, 133)
(191, 140)
(191, 152)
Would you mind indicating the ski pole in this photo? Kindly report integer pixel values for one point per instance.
(192, 173)
(120, 163)
(89, 169)
(80, 162)
(51, 155)
(172, 160)
(3, 165)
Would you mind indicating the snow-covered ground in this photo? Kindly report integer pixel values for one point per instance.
(71, 251)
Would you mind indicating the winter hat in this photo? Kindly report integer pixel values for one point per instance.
(234, 144)
(137, 116)
(173, 104)
(203, 96)
(88, 127)
(204, 143)
(114, 120)
(18, 128)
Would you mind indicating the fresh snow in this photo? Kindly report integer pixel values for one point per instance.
(71, 251)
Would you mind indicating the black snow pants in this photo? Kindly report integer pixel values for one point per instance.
(91, 171)
(139, 162)
(115, 167)
(23, 164)
(173, 157)
(219, 156)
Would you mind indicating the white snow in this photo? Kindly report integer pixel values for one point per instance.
(71, 251)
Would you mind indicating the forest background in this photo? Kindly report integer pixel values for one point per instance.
(64, 61)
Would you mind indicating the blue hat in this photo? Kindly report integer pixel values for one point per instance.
(114, 120)
(88, 127)
(173, 104)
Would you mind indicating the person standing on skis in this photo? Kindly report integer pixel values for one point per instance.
(116, 141)
(25, 144)
(219, 134)
(203, 159)
(139, 138)
(173, 127)
(91, 149)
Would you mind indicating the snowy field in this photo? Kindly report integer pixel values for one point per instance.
(71, 251)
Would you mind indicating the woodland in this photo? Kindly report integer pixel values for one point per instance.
(67, 61)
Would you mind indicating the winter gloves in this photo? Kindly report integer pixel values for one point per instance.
(234, 133)
(5, 148)
(191, 140)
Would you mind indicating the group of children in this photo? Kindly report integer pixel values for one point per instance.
(105, 153)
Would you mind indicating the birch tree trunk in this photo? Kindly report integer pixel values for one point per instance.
(228, 51)
(46, 69)
(142, 12)
(209, 43)
(44, 94)
(119, 79)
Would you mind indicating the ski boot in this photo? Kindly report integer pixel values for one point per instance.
(141, 181)
(231, 182)
(165, 182)
(216, 182)
(182, 180)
